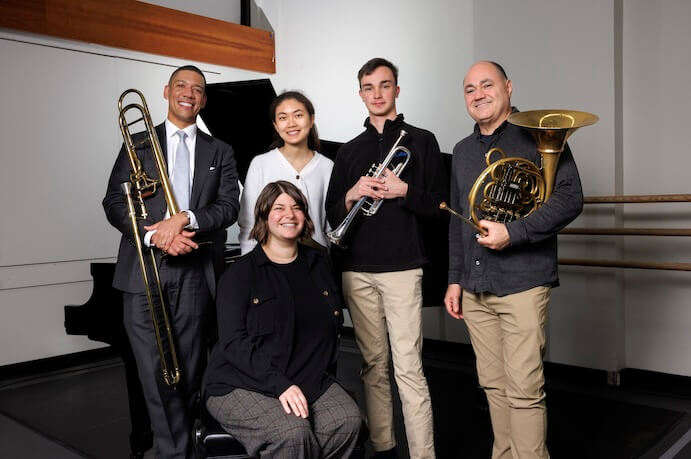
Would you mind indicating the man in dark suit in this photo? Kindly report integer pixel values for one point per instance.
(205, 182)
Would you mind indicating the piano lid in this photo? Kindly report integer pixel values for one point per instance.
(237, 112)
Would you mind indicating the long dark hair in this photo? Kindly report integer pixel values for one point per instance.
(313, 137)
(266, 199)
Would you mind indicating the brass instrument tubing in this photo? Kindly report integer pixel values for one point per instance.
(444, 206)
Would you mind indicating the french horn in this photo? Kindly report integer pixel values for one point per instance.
(511, 188)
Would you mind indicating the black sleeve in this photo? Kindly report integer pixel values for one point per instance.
(424, 198)
(114, 202)
(335, 195)
(455, 226)
(562, 207)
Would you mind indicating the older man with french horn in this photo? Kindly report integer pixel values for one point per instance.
(502, 266)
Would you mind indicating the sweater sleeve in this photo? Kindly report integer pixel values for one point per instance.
(335, 196)
(424, 198)
(455, 226)
(250, 193)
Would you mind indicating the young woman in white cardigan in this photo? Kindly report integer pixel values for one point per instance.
(295, 158)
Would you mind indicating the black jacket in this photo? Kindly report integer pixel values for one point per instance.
(256, 315)
(392, 239)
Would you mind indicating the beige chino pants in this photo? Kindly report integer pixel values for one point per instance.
(381, 303)
(508, 337)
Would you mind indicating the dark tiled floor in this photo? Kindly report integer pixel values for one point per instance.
(82, 412)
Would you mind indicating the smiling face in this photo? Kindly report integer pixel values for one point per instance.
(293, 122)
(487, 96)
(379, 91)
(186, 96)
(286, 219)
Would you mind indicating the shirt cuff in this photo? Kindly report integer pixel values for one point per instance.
(193, 220)
(454, 277)
(147, 238)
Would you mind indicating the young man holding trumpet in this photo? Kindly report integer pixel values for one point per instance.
(382, 265)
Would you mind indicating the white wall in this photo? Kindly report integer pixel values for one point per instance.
(554, 64)
(322, 44)
(578, 55)
(223, 10)
(657, 65)
(60, 139)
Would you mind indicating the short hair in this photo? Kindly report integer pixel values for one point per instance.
(372, 65)
(191, 68)
(313, 137)
(266, 199)
(500, 69)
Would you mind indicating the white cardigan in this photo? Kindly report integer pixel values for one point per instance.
(269, 167)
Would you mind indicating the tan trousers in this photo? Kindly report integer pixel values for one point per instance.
(392, 302)
(508, 336)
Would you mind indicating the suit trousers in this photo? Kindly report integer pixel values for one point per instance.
(508, 337)
(266, 430)
(391, 303)
(189, 305)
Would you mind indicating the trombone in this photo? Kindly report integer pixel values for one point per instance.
(143, 186)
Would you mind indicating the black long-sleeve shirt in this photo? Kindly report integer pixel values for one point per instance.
(391, 240)
(313, 344)
(531, 259)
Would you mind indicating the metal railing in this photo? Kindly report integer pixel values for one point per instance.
(669, 266)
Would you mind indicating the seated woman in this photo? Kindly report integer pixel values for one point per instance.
(293, 158)
(269, 380)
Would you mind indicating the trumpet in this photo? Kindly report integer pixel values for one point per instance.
(396, 160)
(142, 186)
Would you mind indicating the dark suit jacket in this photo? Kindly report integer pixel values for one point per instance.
(214, 201)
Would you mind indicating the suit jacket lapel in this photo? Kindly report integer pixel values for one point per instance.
(202, 162)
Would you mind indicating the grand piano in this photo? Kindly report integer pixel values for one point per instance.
(237, 113)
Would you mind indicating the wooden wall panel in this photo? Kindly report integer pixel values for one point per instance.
(144, 27)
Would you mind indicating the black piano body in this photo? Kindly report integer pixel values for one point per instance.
(237, 113)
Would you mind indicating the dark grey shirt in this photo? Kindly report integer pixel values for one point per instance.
(531, 259)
